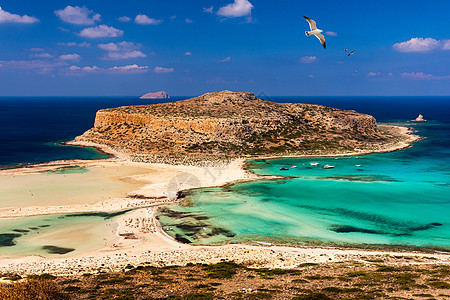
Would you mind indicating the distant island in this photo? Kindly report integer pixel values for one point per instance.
(157, 95)
(226, 125)
(419, 119)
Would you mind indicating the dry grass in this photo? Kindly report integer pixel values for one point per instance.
(32, 289)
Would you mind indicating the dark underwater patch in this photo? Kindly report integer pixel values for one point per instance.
(182, 240)
(43, 226)
(57, 250)
(436, 224)
(21, 230)
(425, 227)
(200, 218)
(33, 228)
(393, 226)
(361, 178)
(350, 229)
(174, 214)
(104, 215)
(181, 215)
(7, 239)
(218, 231)
(189, 229)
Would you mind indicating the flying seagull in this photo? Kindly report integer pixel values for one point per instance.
(351, 53)
(315, 31)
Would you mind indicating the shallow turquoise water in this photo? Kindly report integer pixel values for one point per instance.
(56, 235)
(400, 198)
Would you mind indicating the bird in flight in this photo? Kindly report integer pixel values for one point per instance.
(350, 52)
(315, 31)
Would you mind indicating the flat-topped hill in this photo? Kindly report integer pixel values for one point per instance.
(227, 124)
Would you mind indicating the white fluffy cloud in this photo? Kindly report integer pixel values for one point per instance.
(122, 50)
(417, 45)
(129, 69)
(373, 74)
(42, 55)
(446, 45)
(100, 32)
(38, 66)
(226, 59)
(379, 75)
(78, 15)
(238, 8)
(208, 10)
(187, 53)
(6, 17)
(73, 44)
(308, 59)
(331, 33)
(124, 19)
(145, 20)
(163, 70)
(422, 76)
(70, 57)
(188, 21)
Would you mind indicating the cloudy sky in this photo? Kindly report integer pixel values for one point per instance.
(188, 47)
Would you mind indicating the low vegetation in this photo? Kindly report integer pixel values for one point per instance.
(229, 280)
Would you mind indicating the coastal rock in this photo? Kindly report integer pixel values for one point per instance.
(419, 119)
(229, 124)
(157, 95)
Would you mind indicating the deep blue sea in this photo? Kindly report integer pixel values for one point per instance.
(400, 198)
(31, 128)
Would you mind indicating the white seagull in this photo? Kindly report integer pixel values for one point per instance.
(315, 31)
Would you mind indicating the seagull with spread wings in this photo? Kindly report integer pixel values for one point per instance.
(315, 31)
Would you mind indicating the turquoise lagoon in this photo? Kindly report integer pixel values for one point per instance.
(57, 235)
(399, 199)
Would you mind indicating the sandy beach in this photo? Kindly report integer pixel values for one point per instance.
(139, 238)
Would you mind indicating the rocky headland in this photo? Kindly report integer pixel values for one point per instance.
(225, 125)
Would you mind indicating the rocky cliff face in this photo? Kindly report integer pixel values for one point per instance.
(225, 124)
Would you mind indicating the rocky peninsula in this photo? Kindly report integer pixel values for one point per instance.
(227, 125)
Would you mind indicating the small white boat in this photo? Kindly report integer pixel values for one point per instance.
(357, 165)
(264, 243)
(292, 167)
(328, 167)
(313, 163)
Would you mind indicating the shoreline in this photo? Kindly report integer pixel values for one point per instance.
(140, 237)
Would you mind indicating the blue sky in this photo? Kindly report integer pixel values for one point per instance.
(189, 47)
